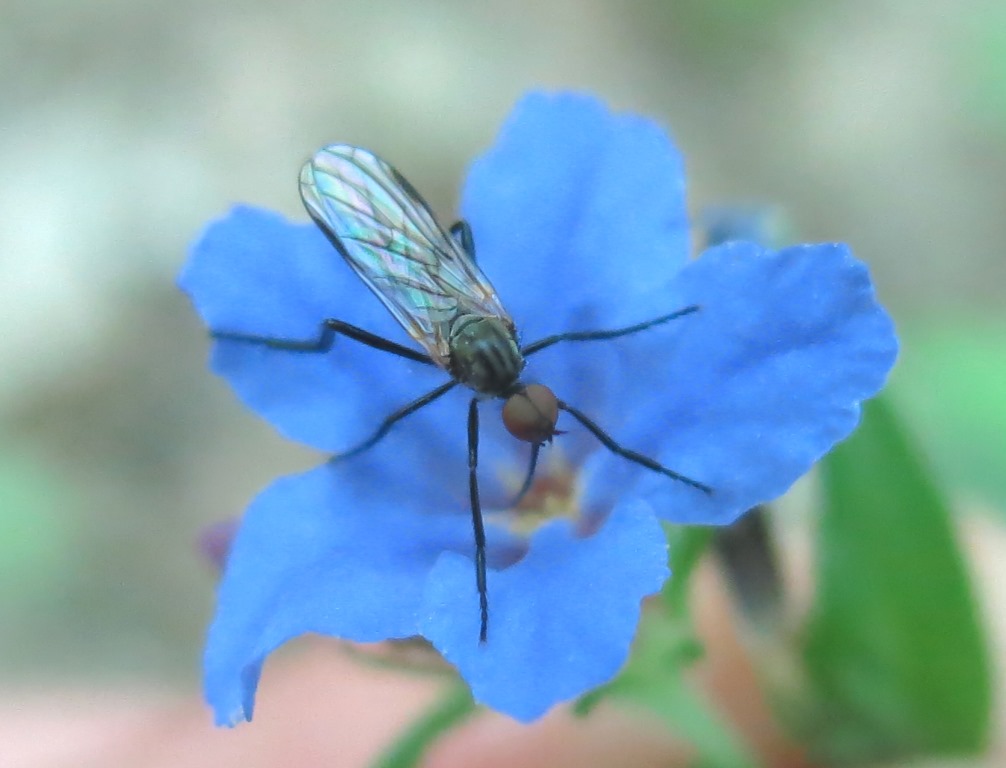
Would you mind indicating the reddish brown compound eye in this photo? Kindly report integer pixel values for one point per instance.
(530, 414)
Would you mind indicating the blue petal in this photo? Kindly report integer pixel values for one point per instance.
(561, 620)
(574, 211)
(254, 272)
(759, 384)
(331, 551)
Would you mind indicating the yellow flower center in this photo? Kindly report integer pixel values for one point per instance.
(554, 493)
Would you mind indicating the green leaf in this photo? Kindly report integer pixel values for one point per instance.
(894, 651)
(37, 536)
(687, 546)
(949, 382)
(666, 646)
(408, 750)
(981, 55)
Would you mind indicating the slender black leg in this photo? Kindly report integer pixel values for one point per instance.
(462, 234)
(393, 419)
(477, 526)
(625, 453)
(529, 477)
(329, 329)
(548, 341)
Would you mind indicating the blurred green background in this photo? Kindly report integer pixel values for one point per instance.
(125, 126)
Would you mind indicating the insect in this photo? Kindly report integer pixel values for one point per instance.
(429, 280)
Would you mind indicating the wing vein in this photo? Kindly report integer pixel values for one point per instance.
(389, 236)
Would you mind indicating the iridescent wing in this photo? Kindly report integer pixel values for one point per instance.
(386, 232)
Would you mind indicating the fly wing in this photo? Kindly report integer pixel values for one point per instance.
(386, 232)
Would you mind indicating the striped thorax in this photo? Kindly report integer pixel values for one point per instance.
(485, 355)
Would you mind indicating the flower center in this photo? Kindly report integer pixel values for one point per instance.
(554, 493)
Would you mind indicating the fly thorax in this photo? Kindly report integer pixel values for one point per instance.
(484, 354)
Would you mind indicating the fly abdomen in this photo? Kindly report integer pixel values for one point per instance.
(484, 354)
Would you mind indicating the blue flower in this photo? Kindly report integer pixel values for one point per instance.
(579, 220)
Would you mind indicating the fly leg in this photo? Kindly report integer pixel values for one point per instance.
(462, 234)
(645, 461)
(390, 421)
(330, 328)
(477, 525)
(548, 341)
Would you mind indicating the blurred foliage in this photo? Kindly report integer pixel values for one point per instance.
(102, 534)
(38, 546)
(951, 381)
(654, 678)
(894, 651)
(982, 51)
(454, 707)
(720, 35)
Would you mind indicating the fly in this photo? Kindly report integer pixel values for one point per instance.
(429, 280)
